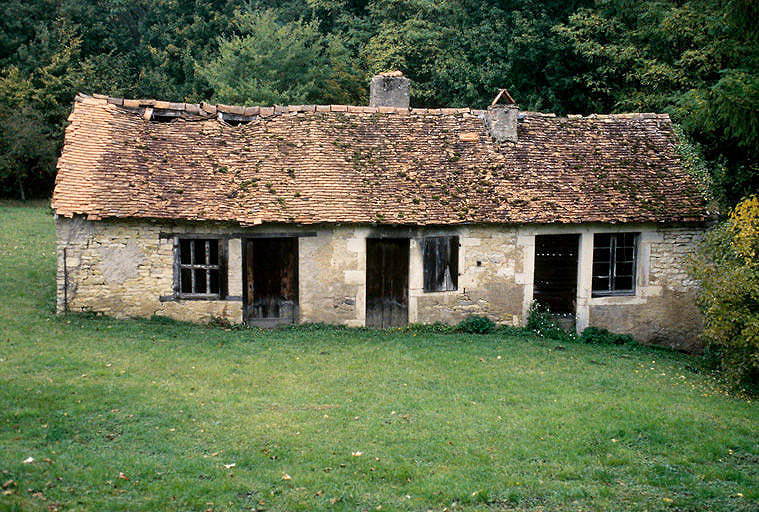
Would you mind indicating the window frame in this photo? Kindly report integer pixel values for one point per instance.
(220, 266)
(454, 245)
(612, 291)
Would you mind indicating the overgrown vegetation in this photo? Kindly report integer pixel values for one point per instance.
(476, 325)
(604, 337)
(544, 323)
(105, 414)
(695, 59)
(727, 266)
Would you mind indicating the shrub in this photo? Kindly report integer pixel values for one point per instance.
(433, 328)
(511, 330)
(476, 325)
(546, 324)
(727, 267)
(601, 336)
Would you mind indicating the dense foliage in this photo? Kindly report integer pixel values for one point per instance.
(727, 267)
(601, 336)
(476, 325)
(695, 59)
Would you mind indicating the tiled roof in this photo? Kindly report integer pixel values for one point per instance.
(342, 164)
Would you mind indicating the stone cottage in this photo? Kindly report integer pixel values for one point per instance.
(375, 216)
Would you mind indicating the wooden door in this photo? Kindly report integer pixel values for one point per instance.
(271, 281)
(387, 261)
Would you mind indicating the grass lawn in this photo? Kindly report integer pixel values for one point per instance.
(198, 418)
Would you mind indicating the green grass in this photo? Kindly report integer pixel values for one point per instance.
(490, 422)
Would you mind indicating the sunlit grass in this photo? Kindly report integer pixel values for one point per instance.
(198, 418)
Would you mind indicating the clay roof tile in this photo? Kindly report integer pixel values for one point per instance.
(313, 164)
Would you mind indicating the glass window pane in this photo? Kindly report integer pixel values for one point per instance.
(214, 255)
(214, 282)
(624, 254)
(601, 268)
(184, 251)
(624, 269)
(623, 283)
(601, 254)
(200, 252)
(627, 239)
(185, 281)
(600, 284)
(200, 280)
(602, 240)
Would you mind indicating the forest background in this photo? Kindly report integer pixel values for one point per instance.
(697, 60)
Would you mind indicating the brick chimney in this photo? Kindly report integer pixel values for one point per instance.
(389, 89)
(501, 120)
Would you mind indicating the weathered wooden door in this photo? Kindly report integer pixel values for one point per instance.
(387, 261)
(555, 280)
(271, 281)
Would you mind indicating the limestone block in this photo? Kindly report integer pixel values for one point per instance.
(234, 267)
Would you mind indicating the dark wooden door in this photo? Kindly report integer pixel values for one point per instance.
(555, 280)
(387, 261)
(271, 281)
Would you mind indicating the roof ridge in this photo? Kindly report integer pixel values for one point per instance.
(620, 115)
(263, 111)
(266, 111)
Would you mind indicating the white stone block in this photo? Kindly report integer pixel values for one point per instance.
(356, 245)
(470, 241)
(354, 277)
(234, 267)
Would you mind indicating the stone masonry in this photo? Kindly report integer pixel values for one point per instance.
(665, 312)
(123, 268)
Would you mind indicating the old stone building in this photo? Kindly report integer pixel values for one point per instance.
(376, 216)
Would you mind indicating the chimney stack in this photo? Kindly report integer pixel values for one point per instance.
(389, 89)
(502, 119)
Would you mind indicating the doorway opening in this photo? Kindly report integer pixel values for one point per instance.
(555, 279)
(270, 294)
(387, 262)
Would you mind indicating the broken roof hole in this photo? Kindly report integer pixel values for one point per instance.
(237, 122)
(235, 119)
(162, 119)
(164, 116)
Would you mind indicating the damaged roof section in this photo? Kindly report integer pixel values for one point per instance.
(311, 164)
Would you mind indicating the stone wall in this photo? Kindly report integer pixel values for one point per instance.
(124, 268)
(664, 311)
(332, 271)
(489, 261)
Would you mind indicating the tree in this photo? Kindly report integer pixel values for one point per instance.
(727, 266)
(27, 153)
(272, 62)
(697, 60)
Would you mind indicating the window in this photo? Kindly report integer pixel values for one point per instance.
(614, 256)
(200, 264)
(441, 263)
